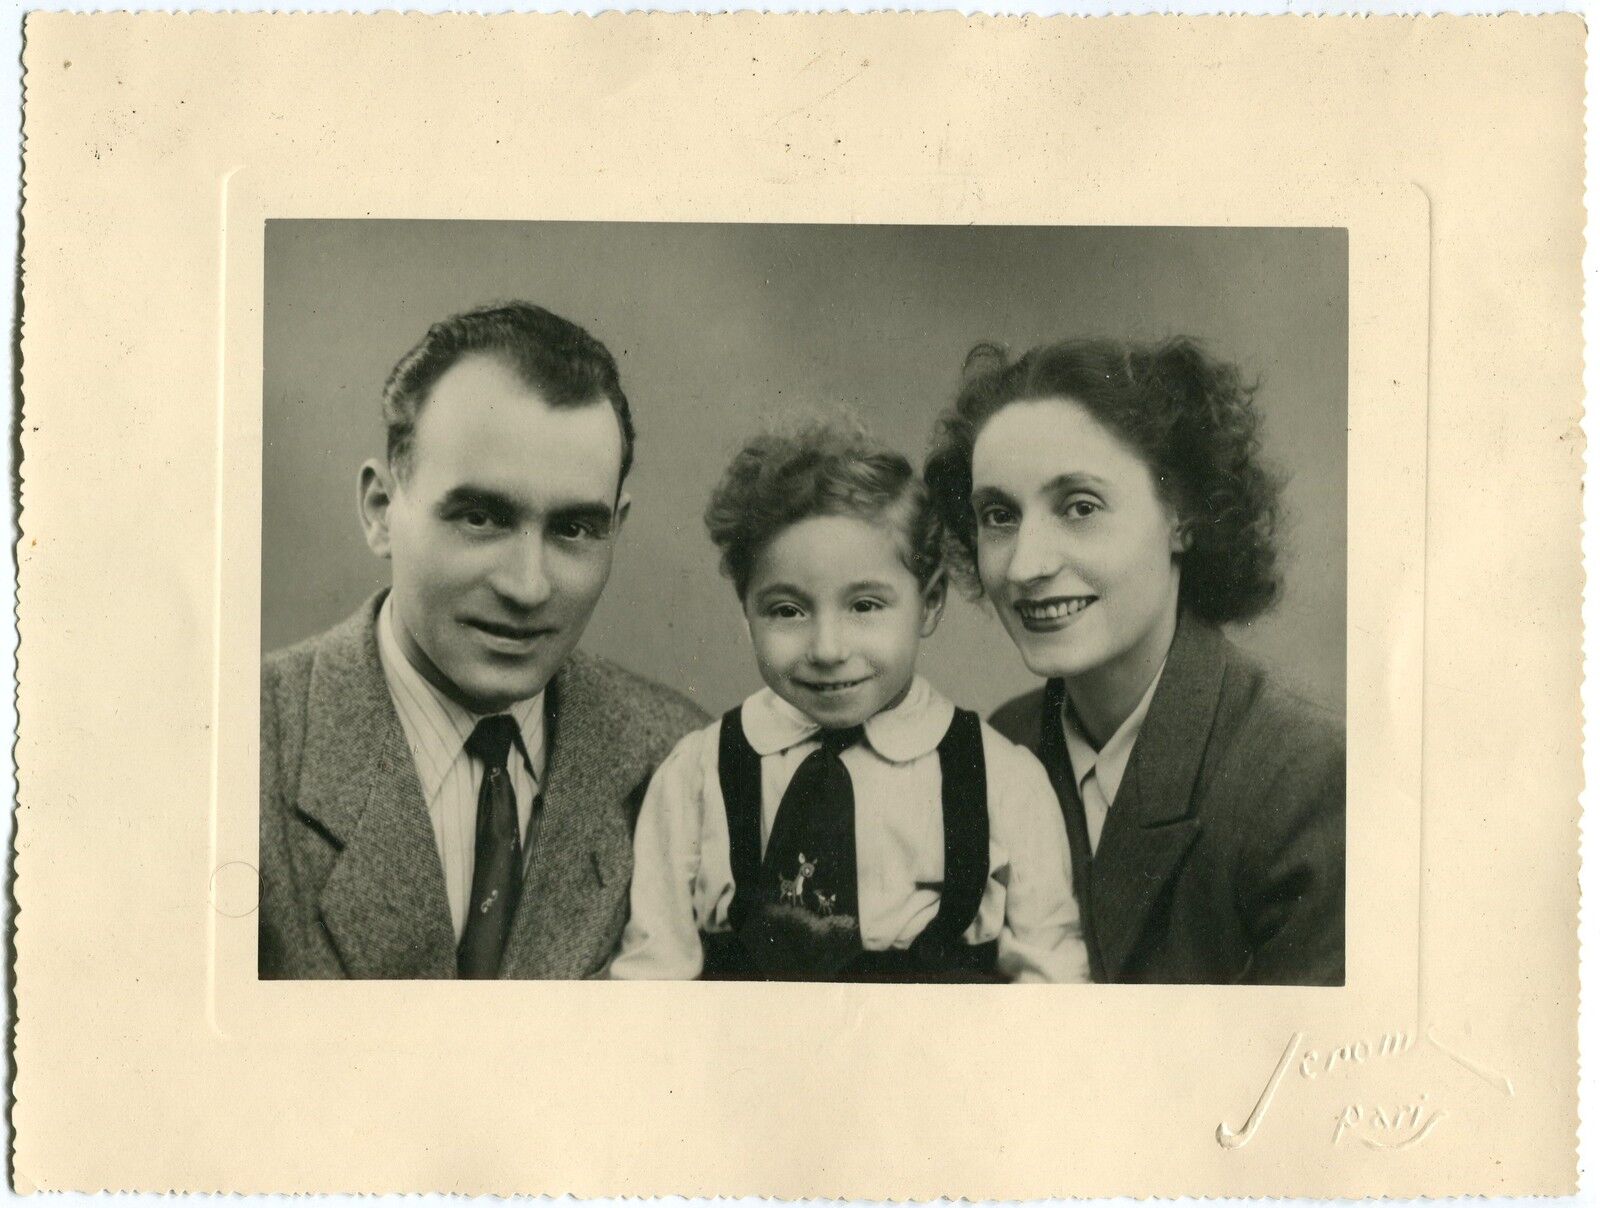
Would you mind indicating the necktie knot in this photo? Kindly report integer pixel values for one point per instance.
(837, 741)
(490, 741)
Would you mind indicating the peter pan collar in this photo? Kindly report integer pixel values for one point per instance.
(910, 730)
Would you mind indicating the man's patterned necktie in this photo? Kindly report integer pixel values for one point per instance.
(497, 865)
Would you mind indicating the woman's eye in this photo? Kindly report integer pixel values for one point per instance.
(995, 517)
(1081, 509)
(783, 612)
(867, 605)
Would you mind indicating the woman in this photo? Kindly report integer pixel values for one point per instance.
(1110, 501)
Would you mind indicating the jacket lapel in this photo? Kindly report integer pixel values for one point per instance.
(582, 860)
(1150, 827)
(1052, 748)
(384, 902)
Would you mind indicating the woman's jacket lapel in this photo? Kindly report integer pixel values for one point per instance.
(1152, 823)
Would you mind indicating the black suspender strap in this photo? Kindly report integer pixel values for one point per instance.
(966, 828)
(739, 774)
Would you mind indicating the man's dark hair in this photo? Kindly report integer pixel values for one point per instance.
(559, 359)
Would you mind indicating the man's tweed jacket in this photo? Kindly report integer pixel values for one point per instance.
(351, 883)
(1222, 859)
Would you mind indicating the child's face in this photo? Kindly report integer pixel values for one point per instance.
(836, 617)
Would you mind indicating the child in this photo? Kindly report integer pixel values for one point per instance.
(847, 822)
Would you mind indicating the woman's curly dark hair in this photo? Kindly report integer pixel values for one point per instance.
(820, 469)
(1190, 417)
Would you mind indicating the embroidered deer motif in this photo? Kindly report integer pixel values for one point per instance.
(825, 903)
(792, 890)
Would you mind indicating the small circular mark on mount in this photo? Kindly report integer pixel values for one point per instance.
(235, 889)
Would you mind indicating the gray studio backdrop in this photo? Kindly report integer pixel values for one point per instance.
(721, 328)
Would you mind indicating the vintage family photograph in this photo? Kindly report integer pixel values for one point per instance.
(803, 602)
(932, 605)
(874, 579)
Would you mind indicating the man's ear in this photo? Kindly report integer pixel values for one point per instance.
(933, 597)
(374, 495)
(624, 503)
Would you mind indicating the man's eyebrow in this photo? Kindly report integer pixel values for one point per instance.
(487, 498)
(491, 500)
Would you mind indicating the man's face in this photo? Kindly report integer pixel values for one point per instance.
(500, 534)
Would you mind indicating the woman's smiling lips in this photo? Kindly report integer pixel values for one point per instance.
(1056, 612)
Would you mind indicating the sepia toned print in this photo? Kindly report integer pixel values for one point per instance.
(1108, 476)
(237, 225)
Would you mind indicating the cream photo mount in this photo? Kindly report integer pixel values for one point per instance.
(157, 147)
(1265, 1101)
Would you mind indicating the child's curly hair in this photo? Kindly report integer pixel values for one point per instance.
(820, 469)
(1190, 417)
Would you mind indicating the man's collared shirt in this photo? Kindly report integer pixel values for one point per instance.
(1099, 773)
(436, 730)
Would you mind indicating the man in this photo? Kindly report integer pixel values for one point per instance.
(447, 785)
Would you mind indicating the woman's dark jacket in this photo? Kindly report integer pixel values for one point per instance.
(1222, 858)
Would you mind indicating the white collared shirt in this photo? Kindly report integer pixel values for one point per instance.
(683, 883)
(436, 730)
(1099, 773)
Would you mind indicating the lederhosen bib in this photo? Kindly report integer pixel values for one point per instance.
(939, 953)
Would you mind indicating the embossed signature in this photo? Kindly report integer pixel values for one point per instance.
(1378, 1126)
(1387, 1128)
(1227, 1137)
(1358, 1052)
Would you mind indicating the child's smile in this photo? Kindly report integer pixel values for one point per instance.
(830, 686)
(836, 618)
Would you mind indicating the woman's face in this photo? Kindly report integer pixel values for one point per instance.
(1076, 549)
